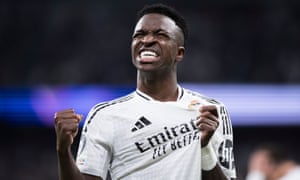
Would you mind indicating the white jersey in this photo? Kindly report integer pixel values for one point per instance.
(137, 137)
(293, 174)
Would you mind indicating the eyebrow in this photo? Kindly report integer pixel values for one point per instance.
(156, 31)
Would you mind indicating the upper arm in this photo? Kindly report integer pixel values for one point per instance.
(223, 143)
(94, 151)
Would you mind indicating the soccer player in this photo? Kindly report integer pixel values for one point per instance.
(270, 161)
(161, 130)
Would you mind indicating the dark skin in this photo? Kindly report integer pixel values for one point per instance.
(66, 127)
(159, 35)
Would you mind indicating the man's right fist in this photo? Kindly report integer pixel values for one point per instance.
(66, 127)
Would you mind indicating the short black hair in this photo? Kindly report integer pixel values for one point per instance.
(276, 152)
(167, 11)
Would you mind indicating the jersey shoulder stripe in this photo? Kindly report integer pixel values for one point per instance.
(112, 102)
(103, 105)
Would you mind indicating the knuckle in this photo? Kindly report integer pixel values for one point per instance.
(58, 123)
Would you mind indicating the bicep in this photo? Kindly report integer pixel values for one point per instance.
(95, 148)
(223, 143)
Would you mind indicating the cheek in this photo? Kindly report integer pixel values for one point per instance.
(173, 52)
(133, 48)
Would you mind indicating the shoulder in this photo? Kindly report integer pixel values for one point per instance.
(109, 105)
(112, 103)
(203, 98)
(101, 113)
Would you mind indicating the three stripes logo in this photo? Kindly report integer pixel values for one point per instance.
(141, 123)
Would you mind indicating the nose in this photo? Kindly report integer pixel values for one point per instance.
(148, 38)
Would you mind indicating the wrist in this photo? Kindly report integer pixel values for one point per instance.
(208, 157)
(63, 151)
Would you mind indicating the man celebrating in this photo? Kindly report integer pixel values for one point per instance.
(159, 131)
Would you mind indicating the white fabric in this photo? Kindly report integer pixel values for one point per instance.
(255, 175)
(209, 158)
(136, 137)
(293, 174)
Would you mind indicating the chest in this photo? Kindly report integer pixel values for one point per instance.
(153, 127)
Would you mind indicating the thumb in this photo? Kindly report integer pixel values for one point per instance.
(80, 117)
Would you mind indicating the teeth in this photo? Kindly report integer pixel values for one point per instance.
(148, 53)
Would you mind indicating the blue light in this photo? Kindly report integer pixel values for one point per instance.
(248, 105)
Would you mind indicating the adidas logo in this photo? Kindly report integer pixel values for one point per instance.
(141, 123)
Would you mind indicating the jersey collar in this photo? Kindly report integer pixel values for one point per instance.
(149, 98)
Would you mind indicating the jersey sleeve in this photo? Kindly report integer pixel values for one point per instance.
(95, 147)
(222, 142)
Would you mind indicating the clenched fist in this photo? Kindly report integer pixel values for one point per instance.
(66, 127)
(207, 122)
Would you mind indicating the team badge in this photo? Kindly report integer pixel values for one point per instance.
(193, 104)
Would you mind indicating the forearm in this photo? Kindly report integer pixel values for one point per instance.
(67, 169)
(210, 168)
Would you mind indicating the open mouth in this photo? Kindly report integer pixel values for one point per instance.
(148, 53)
(147, 56)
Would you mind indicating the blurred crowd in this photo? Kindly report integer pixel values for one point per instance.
(271, 161)
(88, 42)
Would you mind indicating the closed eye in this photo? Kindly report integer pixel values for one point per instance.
(138, 34)
(161, 33)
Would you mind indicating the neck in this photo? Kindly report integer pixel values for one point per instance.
(159, 87)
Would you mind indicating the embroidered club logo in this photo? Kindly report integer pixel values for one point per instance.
(193, 104)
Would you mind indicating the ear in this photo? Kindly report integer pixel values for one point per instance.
(180, 53)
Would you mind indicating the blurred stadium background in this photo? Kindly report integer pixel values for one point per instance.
(61, 54)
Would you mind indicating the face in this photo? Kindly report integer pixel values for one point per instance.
(261, 161)
(157, 43)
